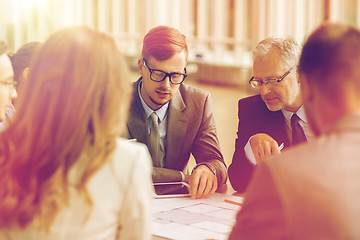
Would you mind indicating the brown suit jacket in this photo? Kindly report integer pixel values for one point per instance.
(190, 130)
(311, 191)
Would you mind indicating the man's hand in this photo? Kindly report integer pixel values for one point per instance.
(202, 182)
(263, 146)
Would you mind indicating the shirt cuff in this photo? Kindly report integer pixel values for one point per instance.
(249, 153)
(182, 176)
(208, 165)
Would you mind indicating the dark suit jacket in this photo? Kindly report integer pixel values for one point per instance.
(190, 130)
(310, 191)
(254, 117)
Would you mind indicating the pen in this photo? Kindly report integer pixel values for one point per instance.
(232, 202)
(281, 146)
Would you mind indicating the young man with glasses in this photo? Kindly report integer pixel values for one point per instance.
(173, 119)
(274, 118)
(7, 85)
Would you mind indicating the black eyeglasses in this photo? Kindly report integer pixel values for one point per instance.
(159, 76)
(257, 82)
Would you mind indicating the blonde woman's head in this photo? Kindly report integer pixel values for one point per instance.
(73, 104)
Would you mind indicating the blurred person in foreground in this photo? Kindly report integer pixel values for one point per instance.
(64, 172)
(174, 119)
(7, 86)
(274, 118)
(311, 191)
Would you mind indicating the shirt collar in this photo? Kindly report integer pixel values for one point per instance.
(300, 113)
(161, 112)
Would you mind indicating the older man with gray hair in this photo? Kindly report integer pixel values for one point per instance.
(274, 118)
(312, 190)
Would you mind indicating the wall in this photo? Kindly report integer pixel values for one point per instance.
(219, 32)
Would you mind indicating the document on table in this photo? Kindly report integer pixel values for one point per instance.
(186, 218)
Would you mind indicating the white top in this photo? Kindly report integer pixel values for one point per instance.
(122, 196)
(10, 111)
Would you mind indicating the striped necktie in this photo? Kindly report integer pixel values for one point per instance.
(298, 134)
(154, 144)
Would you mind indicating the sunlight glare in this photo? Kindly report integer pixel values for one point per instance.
(39, 3)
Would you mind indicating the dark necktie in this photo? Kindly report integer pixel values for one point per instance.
(155, 141)
(298, 134)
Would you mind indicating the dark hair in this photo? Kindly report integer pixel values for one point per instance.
(331, 58)
(331, 55)
(3, 48)
(22, 58)
(163, 42)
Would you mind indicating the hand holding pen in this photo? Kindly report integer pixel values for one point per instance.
(281, 146)
(264, 146)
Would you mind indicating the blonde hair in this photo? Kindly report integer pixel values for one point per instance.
(74, 104)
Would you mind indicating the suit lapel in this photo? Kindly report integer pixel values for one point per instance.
(137, 120)
(176, 130)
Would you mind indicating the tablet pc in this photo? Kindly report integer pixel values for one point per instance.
(172, 189)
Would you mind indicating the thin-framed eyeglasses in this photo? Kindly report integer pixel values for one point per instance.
(271, 82)
(11, 83)
(159, 75)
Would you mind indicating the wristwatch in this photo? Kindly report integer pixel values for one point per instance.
(209, 165)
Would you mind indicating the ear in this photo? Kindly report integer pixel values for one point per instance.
(140, 65)
(25, 73)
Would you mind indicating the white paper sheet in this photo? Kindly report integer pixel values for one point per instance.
(186, 218)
